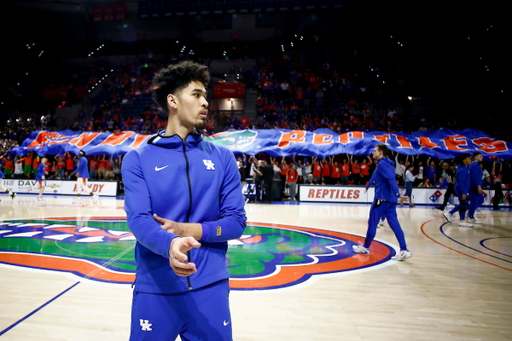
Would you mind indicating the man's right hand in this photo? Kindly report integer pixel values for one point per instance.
(178, 256)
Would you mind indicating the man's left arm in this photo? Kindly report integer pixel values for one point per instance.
(232, 223)
(233, 220)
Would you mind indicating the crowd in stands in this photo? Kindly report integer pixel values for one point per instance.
(59, 167)
(294, 91)
(343, 169)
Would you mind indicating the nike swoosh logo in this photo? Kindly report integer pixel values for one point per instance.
(159, 169)
(226, 323)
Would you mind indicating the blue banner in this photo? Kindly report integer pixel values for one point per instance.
(441, 144)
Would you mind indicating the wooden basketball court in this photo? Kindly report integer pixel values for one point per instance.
(456, 286)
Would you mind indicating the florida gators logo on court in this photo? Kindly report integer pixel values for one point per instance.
(267, 256)
(234, 140)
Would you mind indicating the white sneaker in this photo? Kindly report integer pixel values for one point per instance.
(474, 221)
(95, 198)
(447, 216)
(360, 249)
(403, 254)
(464, 224)
(381, 223)
(77, 201)
(40, 199)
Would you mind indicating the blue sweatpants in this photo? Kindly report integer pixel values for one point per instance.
(475, 201)
(462, 206)
(385, 209)
(201, 314)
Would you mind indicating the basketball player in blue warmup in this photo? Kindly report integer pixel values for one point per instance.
(462, 184)
(183, 201)
(476, 196)
(40, 177)
(384, 204)
(82, 174)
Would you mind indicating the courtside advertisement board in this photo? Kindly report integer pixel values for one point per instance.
(102, 188)
(355, 194)
(316, 193)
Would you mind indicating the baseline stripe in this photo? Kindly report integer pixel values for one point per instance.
(462, 253)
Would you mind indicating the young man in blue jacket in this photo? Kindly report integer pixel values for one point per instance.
(476, 196)
(462, 185)
(183, 201)
(40, 177)
(384, 204)
(82, 174)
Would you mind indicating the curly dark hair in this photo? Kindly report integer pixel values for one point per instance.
(176, 77)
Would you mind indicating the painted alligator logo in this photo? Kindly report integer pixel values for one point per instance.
(234, 140)
(267, 256)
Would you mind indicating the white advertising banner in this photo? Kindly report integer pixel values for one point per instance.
(315, 193)
(32, 186)
(102, 188)
(347, 194)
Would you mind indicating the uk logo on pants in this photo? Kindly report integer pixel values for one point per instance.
(146, 326)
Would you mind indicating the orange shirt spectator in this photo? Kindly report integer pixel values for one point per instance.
(317, 169)
(27, 158)
(245, 121)
(101, 163)
(345, 169)
(8, 164)
(300, 94)
(355, 168)
(364, 169)
(292, 175)
(336, 172)
(36, 162)
(69, 162)
(93, 164)
(284, 169)
(326, 169)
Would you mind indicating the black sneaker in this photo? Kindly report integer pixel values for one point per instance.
(13, 195)
(440, 208)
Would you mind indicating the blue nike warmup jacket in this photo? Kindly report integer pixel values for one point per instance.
(462, 181)
(83, 168)
(476, 175)
(386, 187)
(191, 181)
(40, 172)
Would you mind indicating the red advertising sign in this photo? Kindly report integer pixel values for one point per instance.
(229, 91)
(109, 12)
(60, 94)
(97, 13)
(120, 11)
